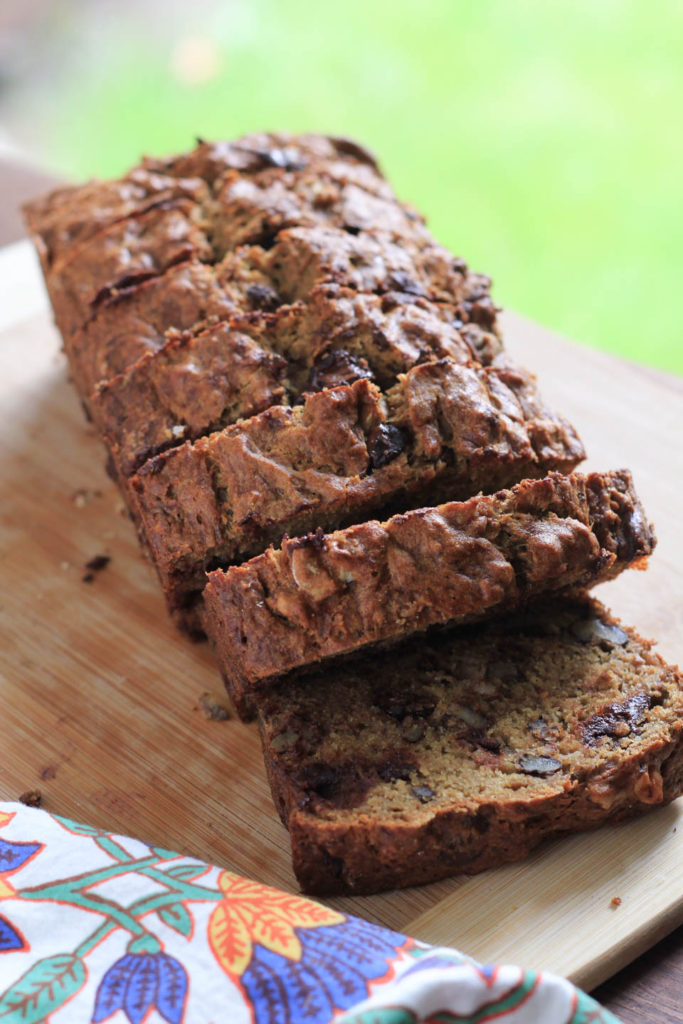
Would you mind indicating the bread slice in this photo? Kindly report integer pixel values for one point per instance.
(322, 596)
(461, 751)
(67, 218)
(126, 253)
(444, 429)
(208, 378)
(133, 321)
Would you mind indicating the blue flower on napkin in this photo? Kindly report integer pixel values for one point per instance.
(12, 857)
(337, 964)
(10, 939)
(139, 981)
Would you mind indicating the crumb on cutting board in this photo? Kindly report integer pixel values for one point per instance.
(83, 497)
(31, 798)
(214, 708)
(94, 565)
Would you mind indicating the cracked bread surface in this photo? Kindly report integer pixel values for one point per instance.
(101, 240)
(321, 596)
(139, 414)
(466, 749)
(444, 429)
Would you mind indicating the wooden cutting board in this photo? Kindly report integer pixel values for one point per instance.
(100, 694)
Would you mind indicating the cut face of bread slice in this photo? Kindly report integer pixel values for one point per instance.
(462, 751)
(325, 595)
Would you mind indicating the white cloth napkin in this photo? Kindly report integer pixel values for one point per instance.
(100, 927)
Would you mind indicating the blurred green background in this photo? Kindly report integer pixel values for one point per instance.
(542, 139)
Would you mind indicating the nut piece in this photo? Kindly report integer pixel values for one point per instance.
(284, 741)
(649, 787)
(542, 766)
(594, 630)
(472, 717)
(310, 576)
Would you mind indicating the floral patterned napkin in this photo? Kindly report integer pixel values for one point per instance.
(96, 927)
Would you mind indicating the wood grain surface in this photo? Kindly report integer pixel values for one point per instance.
(100, 694)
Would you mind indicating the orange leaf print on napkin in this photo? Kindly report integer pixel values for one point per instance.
(251, 914)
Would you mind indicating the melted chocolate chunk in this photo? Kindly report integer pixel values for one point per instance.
(423, 793)
(388, 442)
(391, 770)
(616, 720)
(417, 705)
(480, 739)
(539, 728)
(481, 822)
(402, 282)
(263, 297)
(323, 780)
(287, 159)
(336, 368)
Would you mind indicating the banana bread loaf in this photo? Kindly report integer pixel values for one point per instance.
(461, 751)
(322, 596)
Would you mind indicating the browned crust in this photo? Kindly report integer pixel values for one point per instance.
(67, 218)
(262, 222)
(260, 151)
(124, 254)
(322, 596)
(333, 860)
(191, 386)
